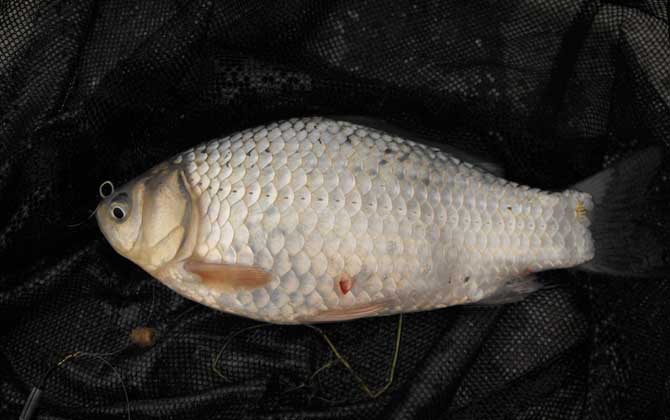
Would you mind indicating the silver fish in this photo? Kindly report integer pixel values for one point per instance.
(317, 220)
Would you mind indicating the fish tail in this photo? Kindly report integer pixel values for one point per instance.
(625, 238)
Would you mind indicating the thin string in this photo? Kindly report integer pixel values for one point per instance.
(338, 358)
(83, 221)
(97, 356)
(102, 195)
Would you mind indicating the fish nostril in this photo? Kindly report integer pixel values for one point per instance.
(122, 196)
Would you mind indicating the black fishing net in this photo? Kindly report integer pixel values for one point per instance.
(95, 91)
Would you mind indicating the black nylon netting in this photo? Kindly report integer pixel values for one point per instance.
(91, 91)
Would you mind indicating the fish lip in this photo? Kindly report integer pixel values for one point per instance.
(103, 206)
(98, 216)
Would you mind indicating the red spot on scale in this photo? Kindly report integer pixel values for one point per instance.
(346, 283)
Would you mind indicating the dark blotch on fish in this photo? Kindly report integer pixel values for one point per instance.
(426, 181)
(403, 157)
(466, 279)
(383, 162)
(391, 247)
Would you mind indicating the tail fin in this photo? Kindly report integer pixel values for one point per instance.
(625, 244)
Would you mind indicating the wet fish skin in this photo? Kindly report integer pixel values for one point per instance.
(340, 221)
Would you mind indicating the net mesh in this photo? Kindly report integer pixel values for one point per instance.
(93, 91)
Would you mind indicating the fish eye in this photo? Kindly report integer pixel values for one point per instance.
(118, 213)
(118, 207)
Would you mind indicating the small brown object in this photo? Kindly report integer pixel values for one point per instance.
(143, 336)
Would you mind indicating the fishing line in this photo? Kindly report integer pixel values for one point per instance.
(339, 359)
(83, 221)
(144, 335)
(141, 336)
(153, 300)
(217, 359)
(33, 400)
(364, 386)
(102, 195)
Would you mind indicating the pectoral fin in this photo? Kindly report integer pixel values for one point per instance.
(228, 277)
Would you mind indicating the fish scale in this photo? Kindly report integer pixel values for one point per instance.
(310, 200)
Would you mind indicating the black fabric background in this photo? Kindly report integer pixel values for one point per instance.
(99, 90)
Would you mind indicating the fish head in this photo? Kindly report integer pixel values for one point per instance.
(150, 220)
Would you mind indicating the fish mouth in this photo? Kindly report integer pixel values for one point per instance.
(122, 233)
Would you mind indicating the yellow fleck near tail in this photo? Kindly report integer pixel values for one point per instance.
(580, 210)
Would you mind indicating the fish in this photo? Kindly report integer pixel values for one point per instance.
(315, 219)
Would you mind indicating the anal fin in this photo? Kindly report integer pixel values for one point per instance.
(513, 290)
